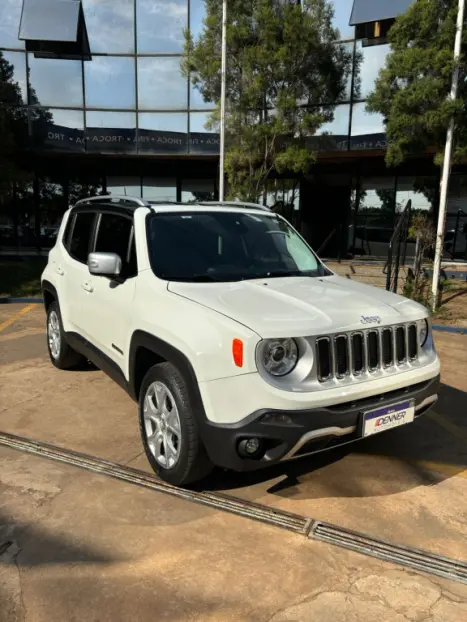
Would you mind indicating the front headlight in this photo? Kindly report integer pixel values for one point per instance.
(423, 332)
(279, 356)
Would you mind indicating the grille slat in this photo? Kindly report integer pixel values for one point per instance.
(412, 342)
(341, 355)
(373, 350)
(386, 340)
(324, 358)
(352, 354)
(400, 344)
(358, 353)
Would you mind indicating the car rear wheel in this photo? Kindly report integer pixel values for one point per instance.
(61, 354)
(168, 427)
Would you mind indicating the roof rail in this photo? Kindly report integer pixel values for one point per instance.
(236, 204)
(111, 198)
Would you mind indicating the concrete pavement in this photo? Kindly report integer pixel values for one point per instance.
(79, 546)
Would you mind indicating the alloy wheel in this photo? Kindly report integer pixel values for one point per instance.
(162, 425)
(53, 334)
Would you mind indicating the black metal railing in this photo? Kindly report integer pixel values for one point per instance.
(398, 249)
(453, 252)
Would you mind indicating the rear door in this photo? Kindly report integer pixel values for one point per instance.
(73, 273)
(111, 300)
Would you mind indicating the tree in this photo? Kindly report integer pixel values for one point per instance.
(411, 91)
(13, 125)
(285, 74)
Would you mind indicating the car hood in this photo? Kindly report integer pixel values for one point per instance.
(301, 306)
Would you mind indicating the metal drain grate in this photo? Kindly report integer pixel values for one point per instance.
(417, 559)
(234, 505)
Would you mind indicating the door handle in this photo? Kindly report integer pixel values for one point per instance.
(87, 286)
(59, 271)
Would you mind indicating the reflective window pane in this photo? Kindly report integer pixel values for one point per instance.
(368, 130)
(342, 11)
(161, 85)
(372, 60)
(375, 217)
(10, 16)
(57, 130)
(52, 205)
(55, 82)
(110, 82)
(110, 132)
(197, 101)
(421, 191)
(198, 190)
(160, 25)
(124, 186)
(9, 93)
(197, 15)
(83, 186)
(203, 140)
(164, 121)
(110, 25)
(160, 189)
(334, 134)
(37, 25)
(339, 126)
(163, 132)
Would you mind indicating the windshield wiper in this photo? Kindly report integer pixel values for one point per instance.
(195, 278)
(274, 274)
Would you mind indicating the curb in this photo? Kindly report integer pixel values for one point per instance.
(6, 301)
(450, 329)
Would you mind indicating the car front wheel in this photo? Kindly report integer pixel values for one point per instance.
(168, 427)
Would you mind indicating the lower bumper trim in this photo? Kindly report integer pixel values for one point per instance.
(337, 431)
(308, 431)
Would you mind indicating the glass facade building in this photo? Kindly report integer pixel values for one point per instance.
(119, 117)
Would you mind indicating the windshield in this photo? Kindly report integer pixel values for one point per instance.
(226, 246)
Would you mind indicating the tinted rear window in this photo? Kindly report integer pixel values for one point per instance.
(80, 239)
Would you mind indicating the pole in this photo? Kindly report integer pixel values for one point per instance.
(223, 81)
(447, 161)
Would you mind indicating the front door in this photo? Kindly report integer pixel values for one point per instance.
(112, 299)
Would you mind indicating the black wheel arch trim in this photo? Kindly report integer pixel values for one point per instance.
(168, 353)
(47, 286)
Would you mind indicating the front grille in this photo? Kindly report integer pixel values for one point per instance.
(346, 354)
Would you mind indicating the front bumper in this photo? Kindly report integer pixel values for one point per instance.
(310, 430)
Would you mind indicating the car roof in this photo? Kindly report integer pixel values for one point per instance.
(127, 204)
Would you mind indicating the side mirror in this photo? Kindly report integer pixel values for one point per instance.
(104, 264)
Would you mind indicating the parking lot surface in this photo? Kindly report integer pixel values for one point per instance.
(77, 545)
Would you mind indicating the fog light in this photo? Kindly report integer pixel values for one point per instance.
(249, 447)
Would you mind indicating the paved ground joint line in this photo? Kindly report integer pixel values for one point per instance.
(16, 316)
(420, 560)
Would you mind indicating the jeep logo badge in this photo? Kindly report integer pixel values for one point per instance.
(370, 319)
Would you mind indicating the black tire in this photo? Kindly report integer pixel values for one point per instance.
(67, 358)
(193, 463)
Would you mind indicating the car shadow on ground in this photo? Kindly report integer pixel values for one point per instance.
(425, 453)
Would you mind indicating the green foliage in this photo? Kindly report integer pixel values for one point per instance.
(13, 125)
(412, 90)
(283, 64)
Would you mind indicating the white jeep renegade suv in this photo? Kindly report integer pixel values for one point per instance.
(241, 347)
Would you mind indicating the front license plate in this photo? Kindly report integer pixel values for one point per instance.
(388, 417)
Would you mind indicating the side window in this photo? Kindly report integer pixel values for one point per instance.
(67, 232)
(115, 236)
(81, 236)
